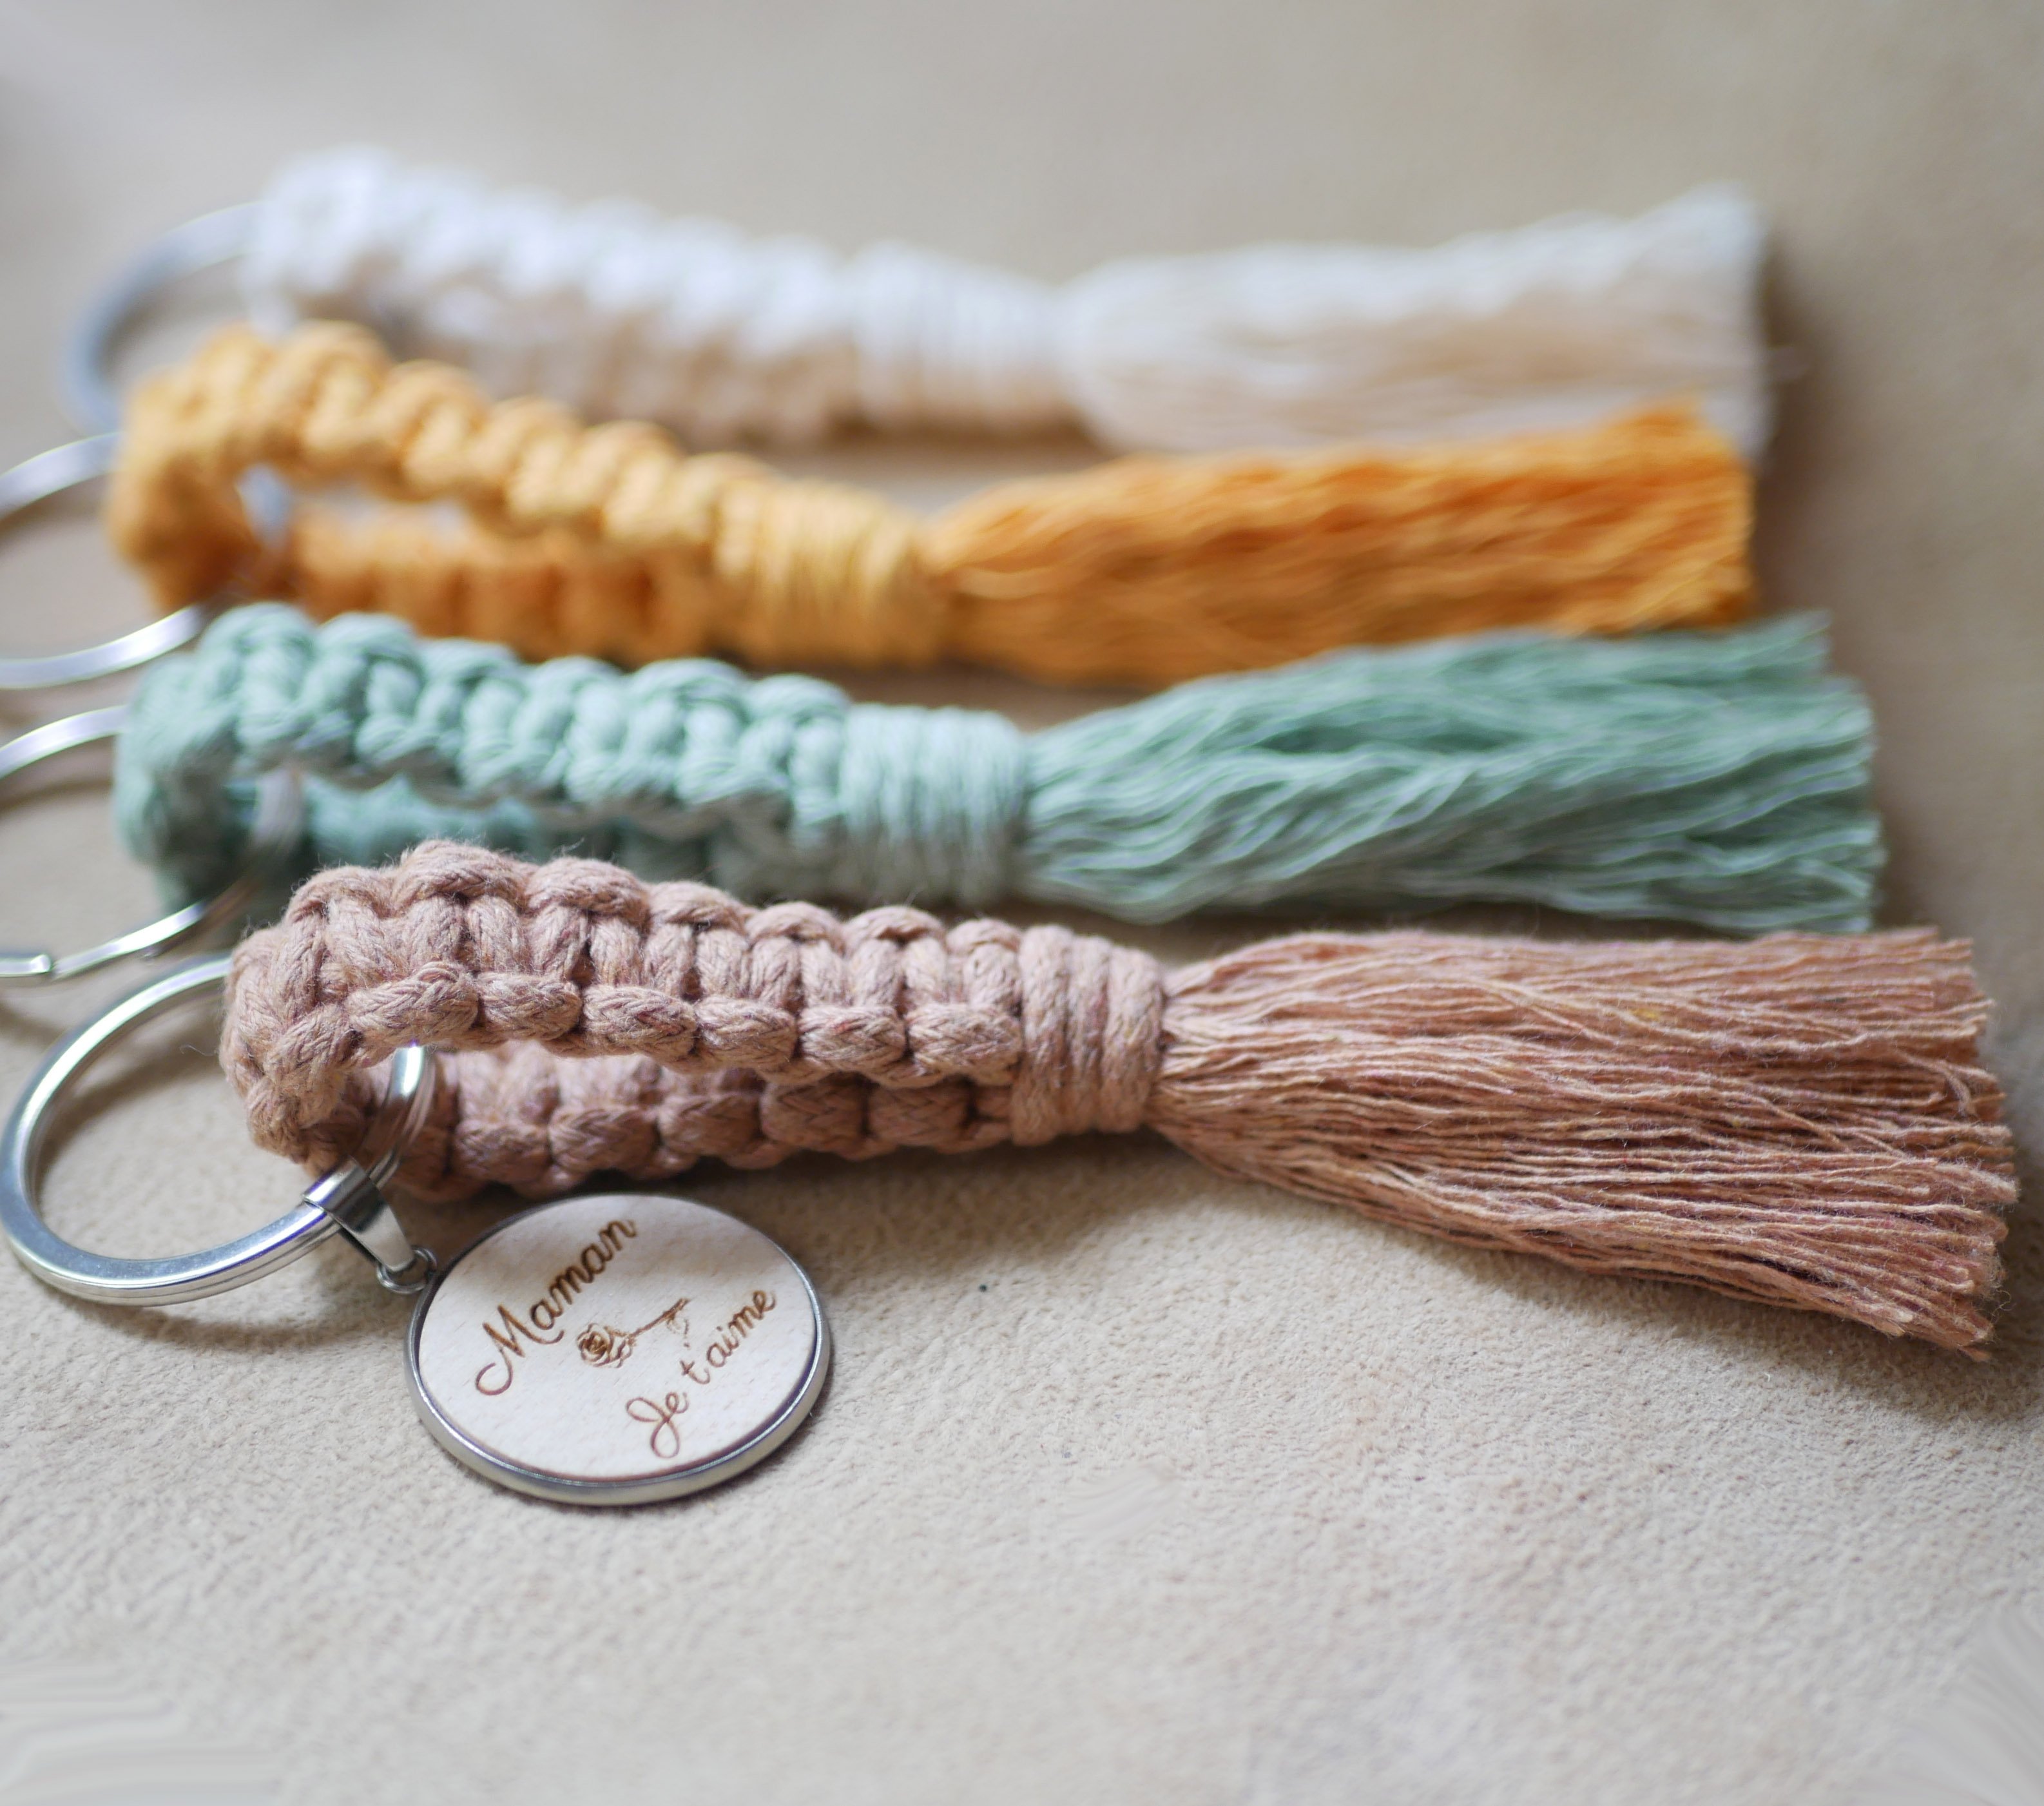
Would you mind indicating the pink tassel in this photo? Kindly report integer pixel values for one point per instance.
(1801, 1120)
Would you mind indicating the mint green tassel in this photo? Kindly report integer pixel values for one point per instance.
(1722, 778)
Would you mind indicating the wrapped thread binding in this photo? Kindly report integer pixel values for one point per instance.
(1721, 778)
(1799, 1120)
(609, 541)
(617, 313)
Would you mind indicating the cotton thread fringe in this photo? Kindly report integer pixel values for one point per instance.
(1723, 779)
(611, 542)
(617, 313)
(1800, 1121)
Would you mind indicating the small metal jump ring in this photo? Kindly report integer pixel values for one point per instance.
(279, 822)
(347, 1200)
(36, 479)
(203, 243)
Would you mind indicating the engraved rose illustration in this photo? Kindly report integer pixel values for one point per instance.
(604, 1345)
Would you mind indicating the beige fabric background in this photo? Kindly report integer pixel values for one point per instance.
(1131, 1485)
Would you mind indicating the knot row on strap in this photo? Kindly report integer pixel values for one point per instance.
(776, 786)
(461, 949)
(703, 552)
(522, 1117)
(688, 321)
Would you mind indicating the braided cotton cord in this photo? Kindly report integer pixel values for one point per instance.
(618, 313)
(1722, 777)
(609, 541)
(1801, 1120)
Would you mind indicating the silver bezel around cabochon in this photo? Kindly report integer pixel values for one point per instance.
(617, 1348)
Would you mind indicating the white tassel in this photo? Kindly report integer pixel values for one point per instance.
(616, 311)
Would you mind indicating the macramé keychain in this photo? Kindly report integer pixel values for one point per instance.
(615, 312)
(1799, 1120)
(610, 541)
(1723, 778)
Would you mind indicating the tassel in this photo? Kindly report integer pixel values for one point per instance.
(1800, 1121)
(610, 542)
(1721, 778)
(618, 313)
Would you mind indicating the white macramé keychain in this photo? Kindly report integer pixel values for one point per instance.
(725, 337)
(604, 1350)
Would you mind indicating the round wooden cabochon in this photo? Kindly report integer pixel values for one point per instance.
(617, 1348)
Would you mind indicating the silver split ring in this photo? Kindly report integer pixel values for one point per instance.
(36, 479)
(197, 245)
(279, 821)
(347, 1200)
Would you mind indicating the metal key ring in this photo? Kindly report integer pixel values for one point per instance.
(36, 479)
(347, 1200)
(279, 822)
(200, 244)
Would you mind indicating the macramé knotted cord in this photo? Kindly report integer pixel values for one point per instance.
(619, 314)
(1723, 779)
(1800, 1121)
(610, 541)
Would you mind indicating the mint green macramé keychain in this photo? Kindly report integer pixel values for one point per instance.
(1721, 778)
